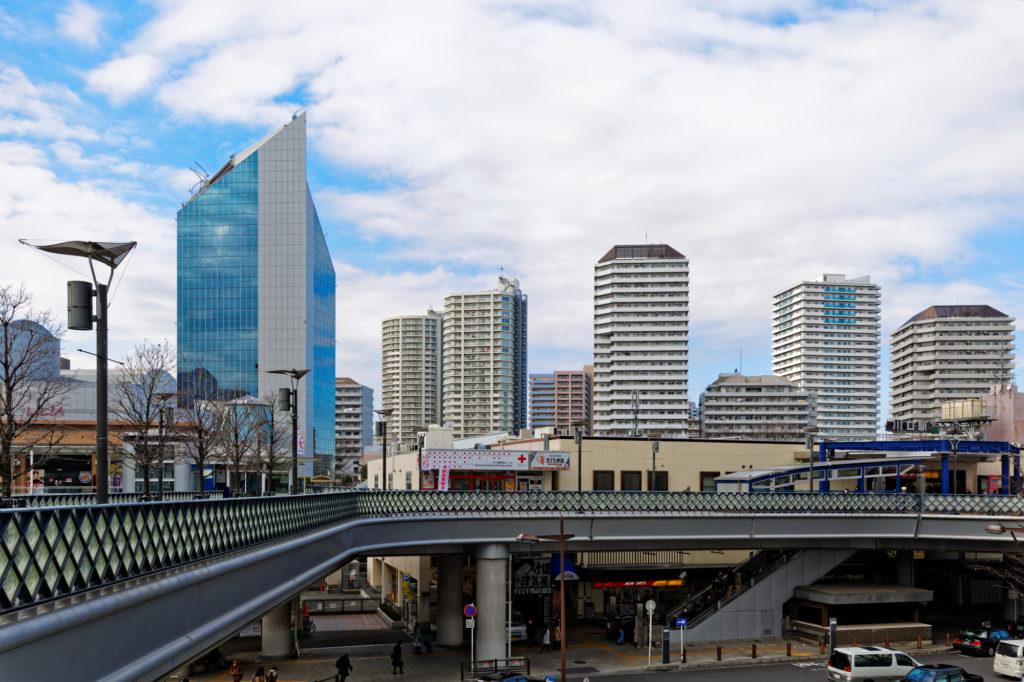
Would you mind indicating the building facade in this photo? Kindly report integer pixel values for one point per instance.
(353, 426)
(542, 400)
(756, 408)
(484, 356)
(641, 326)
(573, 389)
(825, 338)
(411, 375)
(948, 352)
(256, 288)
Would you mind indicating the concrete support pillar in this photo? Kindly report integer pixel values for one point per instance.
(276, 629)
(491, 592)
(182, 478)
(449, 599)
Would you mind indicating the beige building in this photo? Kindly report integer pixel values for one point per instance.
(411, 375)
(762, 407)
(1005, 405)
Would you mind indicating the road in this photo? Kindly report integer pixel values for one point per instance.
(791, 672)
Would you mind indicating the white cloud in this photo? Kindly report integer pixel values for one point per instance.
(48, 111)
(534, 136)
(81, 23)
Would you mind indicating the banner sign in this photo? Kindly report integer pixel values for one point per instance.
(443, 481)
(531, 575)
(494, 460)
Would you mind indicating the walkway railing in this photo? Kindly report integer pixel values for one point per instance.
(74, 499)
(52, 552)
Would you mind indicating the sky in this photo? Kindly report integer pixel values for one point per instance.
(769, 141)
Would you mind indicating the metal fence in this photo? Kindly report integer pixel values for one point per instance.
(54, 551)
(74, 499)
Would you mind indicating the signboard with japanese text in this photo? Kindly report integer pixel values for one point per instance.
(494, 460)
(531, 575)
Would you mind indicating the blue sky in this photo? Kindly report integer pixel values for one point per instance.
(768, 141)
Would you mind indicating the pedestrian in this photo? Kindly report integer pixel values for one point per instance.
(621, 639)
(416, 636)
(545, 642)
(557, 634)
(235, 671)
(344, 667)
(272, 674)
(396, 660)
(260, 675)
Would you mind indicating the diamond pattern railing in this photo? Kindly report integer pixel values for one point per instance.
(74, 499)
(54, 551)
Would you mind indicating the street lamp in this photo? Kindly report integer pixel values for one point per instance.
(289, 398)
(80, 316)
(561, 539)
(382, 433)
(166, 420)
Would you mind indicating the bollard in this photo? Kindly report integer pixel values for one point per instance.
(947, 639)
(919, 645)
(789, 649)
(718, 652)
(753, 650)
(821, 647)
(684, 654)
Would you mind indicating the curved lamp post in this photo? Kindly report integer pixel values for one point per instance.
(289, 398)
(80, 316)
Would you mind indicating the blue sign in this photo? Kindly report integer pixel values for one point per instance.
(681, 622)
(469, 610)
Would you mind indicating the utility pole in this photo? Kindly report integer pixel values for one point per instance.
(289, 397)
(382, 433)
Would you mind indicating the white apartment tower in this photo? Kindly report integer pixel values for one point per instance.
(411, 375)
(825, 337)
(948, 352)
(484, 354)
(641, 323)
(756, 408)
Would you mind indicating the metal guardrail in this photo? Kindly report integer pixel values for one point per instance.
(52, 552)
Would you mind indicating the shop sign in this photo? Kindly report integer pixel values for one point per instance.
(494, 460)
(674, 582)
(531, 575)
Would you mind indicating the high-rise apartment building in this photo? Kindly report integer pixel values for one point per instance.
(484, 350)
(411, 375)
(256, 288)
(948, 352)
(641, 324)
(756, 408)
(561, 400)
(542, 400)
(353, 425)
(825, 337)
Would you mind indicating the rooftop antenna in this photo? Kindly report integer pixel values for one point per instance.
(741, 361)
(645, 236)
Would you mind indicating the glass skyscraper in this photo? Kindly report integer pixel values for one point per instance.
(256, 288)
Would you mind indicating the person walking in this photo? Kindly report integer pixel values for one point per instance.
(260, 675)
(272, 674)
(396, 660)
(344, 666)
(235, 671)
(416, 637)
(545, 642)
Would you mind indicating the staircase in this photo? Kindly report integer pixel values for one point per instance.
(755, 608)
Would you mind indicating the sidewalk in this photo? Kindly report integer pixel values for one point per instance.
(592, 657)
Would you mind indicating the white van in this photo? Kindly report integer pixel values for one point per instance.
(1009, 660)
(869, 663)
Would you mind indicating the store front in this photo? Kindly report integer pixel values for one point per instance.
(490, 470)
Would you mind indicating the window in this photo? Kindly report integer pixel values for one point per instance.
(660, 481)
(391, 481)
(872, 661)
(707, 481)
(376, 481)
(604, 480)
(903, 659)
(408, 480)
(630, 480)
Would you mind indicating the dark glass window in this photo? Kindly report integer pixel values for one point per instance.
(707, 481)
(604, 480)
(660, 480)
(631, 480)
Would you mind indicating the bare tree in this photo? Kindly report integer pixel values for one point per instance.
(238, 436)
(137, 402)
(200, 430)
(273, 442)
(31, 387)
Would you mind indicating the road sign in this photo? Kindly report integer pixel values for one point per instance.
(469, 610)
(470, 623)
(650, 606)
(681, 622)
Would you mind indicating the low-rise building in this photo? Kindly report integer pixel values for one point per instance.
(353, 426)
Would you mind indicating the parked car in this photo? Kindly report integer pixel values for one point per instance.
(869, 663)
(940, 672)
(983, 640)
(1008, 660)
(518, 629)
